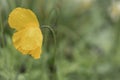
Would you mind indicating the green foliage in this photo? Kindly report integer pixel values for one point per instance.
(88, 42)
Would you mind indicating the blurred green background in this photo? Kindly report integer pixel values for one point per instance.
(88, 41)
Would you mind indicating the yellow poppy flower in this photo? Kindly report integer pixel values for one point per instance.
(28, 37)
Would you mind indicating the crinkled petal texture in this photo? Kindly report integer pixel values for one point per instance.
(28, 38)
(28, 41)
(19, 18)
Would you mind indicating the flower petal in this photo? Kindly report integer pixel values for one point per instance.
(19, 18)
(27, 39)
(36, 53)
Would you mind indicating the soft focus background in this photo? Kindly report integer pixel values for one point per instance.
(88, 41)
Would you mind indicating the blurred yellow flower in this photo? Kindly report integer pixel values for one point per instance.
(115, 10)
(28, 37)
(86, 4)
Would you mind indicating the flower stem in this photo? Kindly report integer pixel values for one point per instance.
(2, 29)
(117, 38)
(51, 62)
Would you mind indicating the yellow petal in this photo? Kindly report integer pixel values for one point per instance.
(36, 53)
(27, 39)
(20, 18)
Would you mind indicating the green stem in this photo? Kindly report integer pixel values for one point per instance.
(51, 63)
(2, 29)
(53, 33)
(117, 38)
